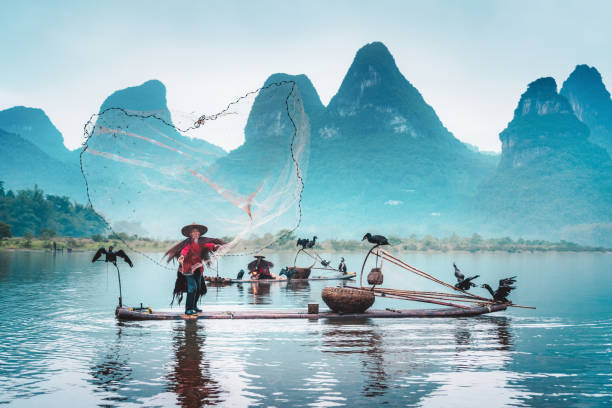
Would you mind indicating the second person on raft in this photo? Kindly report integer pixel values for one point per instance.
(192, 253)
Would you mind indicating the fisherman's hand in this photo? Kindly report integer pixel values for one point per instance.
(216, 246)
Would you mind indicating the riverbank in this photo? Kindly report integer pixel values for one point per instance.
(453, 243)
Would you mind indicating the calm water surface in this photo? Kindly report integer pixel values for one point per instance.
(60, 344)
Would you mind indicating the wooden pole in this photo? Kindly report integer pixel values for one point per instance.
(416, 299)
(119, 276)
(364, 262)
(411, 268)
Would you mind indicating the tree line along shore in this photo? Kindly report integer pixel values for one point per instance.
(31, 220)
(284, 241)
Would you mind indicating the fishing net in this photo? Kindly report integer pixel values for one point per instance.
(151, 171)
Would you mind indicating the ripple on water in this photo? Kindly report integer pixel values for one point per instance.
(60, 342)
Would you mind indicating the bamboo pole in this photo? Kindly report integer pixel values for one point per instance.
(422, 295)
(411, 268)
(416, 299)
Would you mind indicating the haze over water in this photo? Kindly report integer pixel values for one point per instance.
(61, 345)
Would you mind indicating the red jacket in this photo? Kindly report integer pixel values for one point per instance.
(193, 256)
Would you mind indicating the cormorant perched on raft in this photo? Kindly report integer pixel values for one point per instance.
(306, 243)
(462, 282)
(342, 267)
(375, 239)
(504, 289)
(112, 256)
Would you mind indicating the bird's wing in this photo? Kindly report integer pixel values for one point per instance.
(471, 278)
(458, 274)
(504, 291)
(98, 254)
(125, 257)
(507, 281)
(506, 286)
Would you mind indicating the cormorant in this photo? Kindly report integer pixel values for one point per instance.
(504, 289)
(462, 282)
(306, 243)
(112, 256)
(375, 239)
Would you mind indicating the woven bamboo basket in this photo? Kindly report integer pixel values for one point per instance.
(375, 277)
(347, 300)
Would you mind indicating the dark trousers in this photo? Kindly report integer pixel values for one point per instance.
(193, 290)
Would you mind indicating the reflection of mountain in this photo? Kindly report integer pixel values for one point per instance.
(190, 378)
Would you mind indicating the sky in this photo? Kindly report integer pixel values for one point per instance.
(471, 60)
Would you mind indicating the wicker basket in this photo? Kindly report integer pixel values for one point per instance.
(375, 277)
(347, 300)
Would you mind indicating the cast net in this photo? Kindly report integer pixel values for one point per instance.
(149, 171)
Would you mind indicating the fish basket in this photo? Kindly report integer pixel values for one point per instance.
(347, 300)
(375, 277)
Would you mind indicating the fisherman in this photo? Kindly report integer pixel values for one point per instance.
(191, 254)
(342, 267)
(260, 269)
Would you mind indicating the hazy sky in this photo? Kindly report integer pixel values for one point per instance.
(471, 60)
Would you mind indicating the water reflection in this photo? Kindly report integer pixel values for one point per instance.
(190, 377)
(260, 293)
(297, 286)
(361, 337)
(114, 372)
(502, 331)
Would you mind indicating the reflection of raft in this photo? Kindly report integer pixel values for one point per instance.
(124, 313)
(283, 279)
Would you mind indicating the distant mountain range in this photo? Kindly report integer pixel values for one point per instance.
(33, 153)
(551, 179)
(380, 158)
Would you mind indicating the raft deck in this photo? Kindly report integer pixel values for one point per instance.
(124, 313)
(348, 276)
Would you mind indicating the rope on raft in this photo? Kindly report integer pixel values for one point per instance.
(439, 298)
(316, 257)
(387, 256)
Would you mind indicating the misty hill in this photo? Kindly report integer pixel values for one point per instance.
(136, 164)
(23, 165)
(381, 154)
(269, 131)
(34, 125)
(590, 100)
(551, 179)
(147, 99)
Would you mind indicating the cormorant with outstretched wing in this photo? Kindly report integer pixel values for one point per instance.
(112, 256)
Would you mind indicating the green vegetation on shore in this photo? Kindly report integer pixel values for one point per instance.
(31, 212)
(475, 243)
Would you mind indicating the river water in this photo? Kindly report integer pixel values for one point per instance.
(60, 344)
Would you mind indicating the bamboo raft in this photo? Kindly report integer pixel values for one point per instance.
(283, 279)
(124, 313)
